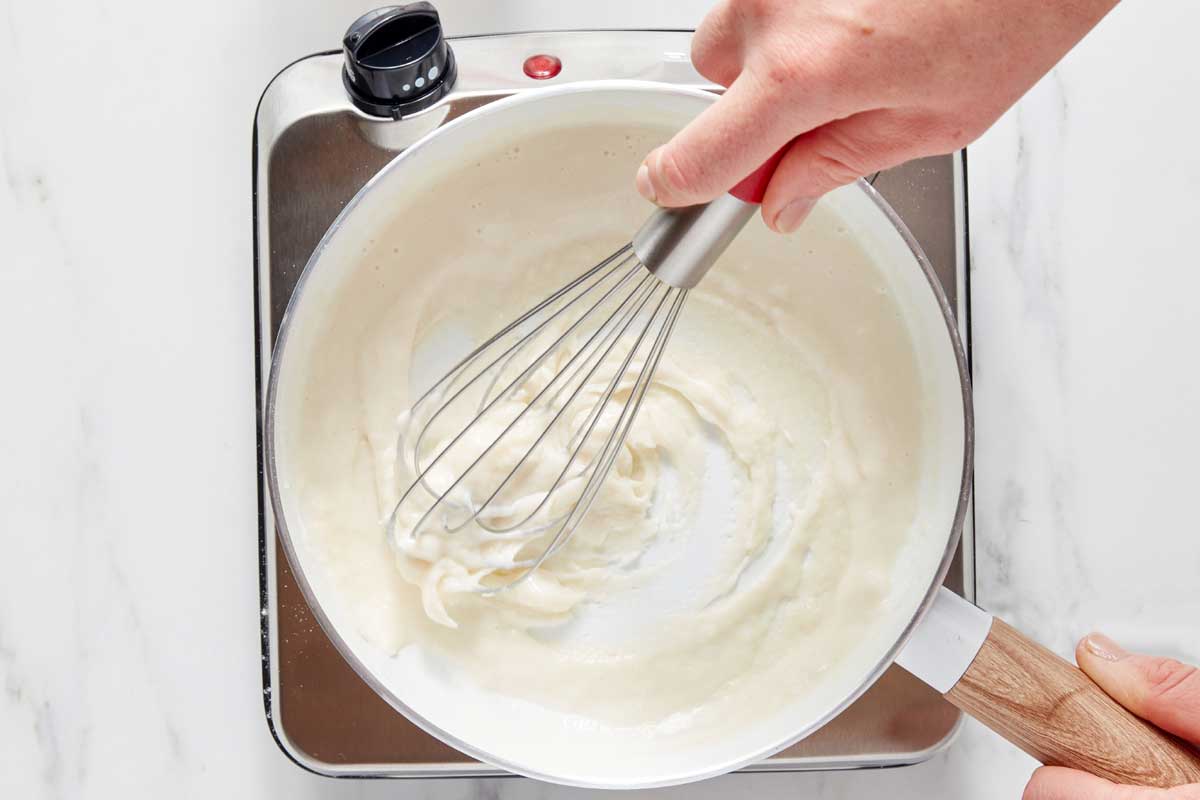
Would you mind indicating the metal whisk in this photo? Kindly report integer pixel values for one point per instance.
(548, 401)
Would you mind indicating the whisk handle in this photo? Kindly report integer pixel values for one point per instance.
(753, 187)
(680, 245)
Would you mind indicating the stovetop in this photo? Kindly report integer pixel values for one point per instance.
(313, 150)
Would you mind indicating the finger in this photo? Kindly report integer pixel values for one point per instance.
(1163, 691)
(836, 154)
(728, 141)
(1060, 783)
(718, 44)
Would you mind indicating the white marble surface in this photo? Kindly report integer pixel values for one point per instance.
(128, 630)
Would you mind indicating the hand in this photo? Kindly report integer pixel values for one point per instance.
(855, 86)
(1159, 690)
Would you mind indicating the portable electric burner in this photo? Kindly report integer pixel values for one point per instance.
(324, 126)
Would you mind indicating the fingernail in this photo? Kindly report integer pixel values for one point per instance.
(644, 187)
(791, 216)
(1103, 647)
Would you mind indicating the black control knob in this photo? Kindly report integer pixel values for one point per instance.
(397, 62)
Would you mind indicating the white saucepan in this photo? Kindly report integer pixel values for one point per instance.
(1019, 689)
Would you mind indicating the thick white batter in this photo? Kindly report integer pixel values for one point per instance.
(745, 539)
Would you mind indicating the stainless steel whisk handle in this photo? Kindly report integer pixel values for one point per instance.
(680, 245)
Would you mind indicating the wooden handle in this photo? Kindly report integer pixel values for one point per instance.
(1054, 712)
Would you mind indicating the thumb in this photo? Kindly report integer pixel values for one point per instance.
(838, 153)
(725, 143)
(1162, 691)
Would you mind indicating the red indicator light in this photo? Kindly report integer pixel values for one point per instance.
(542, 67)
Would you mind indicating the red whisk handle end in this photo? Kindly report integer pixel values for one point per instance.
(753, 187)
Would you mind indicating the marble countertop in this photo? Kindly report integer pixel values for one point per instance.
(129, 652)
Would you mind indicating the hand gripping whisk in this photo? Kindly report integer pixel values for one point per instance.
(519, 436)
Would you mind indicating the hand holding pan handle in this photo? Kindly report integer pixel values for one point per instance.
(1038, 701)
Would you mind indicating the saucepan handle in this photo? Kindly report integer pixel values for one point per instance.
(1038, 701)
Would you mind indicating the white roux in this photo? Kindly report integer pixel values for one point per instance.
(760, 503)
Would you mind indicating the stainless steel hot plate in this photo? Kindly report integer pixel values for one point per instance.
(313, 150)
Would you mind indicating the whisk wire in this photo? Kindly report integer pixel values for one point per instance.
(610, 450)
(646, 295)
(608, 267)
(525, 317)
(422, 472)
(628, 413)
(575, 444)
(529, 338)
(520, 344)
(613, 330)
